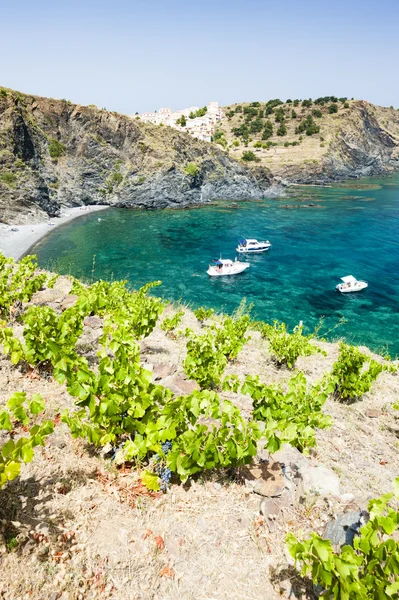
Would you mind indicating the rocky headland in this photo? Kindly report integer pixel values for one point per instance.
(57, 154)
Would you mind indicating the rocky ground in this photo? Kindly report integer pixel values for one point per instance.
(76, 527)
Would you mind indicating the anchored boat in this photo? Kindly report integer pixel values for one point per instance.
(350, 284)
(226, 267)
(250, 245)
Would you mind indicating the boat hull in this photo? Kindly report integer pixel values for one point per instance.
(344, 289)
(252, 251)
(235, 270)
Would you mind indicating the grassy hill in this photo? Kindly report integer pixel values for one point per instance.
(312, 140)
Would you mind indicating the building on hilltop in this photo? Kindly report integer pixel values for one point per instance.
(201, 128)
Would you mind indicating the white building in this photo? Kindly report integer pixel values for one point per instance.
(201, 128)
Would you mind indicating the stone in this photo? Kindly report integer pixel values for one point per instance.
(93, 322)
(320, 480)
(162, 370)
(265, 478)
(269, 508)
(288, 455)
(180, 386)
(373, 413)
(345, 498)
(345, 527)
(69, 301)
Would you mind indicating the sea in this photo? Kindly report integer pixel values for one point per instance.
(318, 235)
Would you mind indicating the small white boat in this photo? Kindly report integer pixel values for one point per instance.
(350, 284)
(251, 245)
(226, 267)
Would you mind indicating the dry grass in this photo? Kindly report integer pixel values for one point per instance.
(86, 530)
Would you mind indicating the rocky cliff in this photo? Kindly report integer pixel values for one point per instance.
(349, 140)
(54, 153)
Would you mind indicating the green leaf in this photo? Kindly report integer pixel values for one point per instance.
(151, 481)
(12, 470)
(36, 405)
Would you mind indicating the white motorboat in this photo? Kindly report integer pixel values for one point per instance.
(350, 284)
(250, 245)
(227, 267)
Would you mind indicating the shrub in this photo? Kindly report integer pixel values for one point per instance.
(267, 131)
(192, 170)
(8, 177)
(366, 571)
(3, 92)
(317, 113)
(346, 104)
(56, 149)
(279, 115)
(354, 372)
(203, 313)
(333, 108)
(256, 126)
(249, 156)
(307, 103)
(258, 144)
(282, 130)
(181, 121)
(286, 347)
(293, 114)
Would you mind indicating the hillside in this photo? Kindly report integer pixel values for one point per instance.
(77, 524)
(313, 141)
(54, 153)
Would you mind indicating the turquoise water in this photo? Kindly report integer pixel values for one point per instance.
(353, 229)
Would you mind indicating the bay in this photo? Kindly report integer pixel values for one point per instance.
(318, 235)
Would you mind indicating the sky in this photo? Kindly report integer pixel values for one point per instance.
(140, 56)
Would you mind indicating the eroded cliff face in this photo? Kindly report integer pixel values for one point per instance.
(54, 153)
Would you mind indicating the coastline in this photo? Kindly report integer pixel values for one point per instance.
(15, 244)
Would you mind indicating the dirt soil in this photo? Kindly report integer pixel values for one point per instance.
(78, 528)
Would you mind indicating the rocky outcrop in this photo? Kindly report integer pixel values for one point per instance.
(54, 153)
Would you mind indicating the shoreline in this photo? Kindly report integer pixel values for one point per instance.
(15, 244)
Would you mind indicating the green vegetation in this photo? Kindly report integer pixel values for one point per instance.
(369, 569)
(249, 156)
(8, 177)
(56, 149)
(198, 113)
(170, 323)
(203, 313)
(287, 347)
(182, 121)
(209, 352)
(20, 416)
(333, 108)
(282, 130)
(293, 415)
(308, 126)
(192, 170)
(354, 372)
(3, 93)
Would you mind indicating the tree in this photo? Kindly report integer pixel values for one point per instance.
(346, 104)
(267, 131)
(289, 101)
(333, 108)
(307, 103)
(182, 121)
(249, 156)
(279, 115)
(282, 130)
(317, 113)
(256, 126)
(293, 114)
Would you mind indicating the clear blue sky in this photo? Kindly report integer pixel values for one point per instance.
(135, 56)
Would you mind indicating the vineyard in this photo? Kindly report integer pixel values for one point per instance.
(163, 398)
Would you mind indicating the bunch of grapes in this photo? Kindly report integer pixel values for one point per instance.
(166, 447)
(165, 475)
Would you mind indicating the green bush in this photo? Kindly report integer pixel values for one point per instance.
(249, 156)
(346, 104)
(317, 113)
(8, 177)
(333, 108)
(192, 170)
(293, 114)
(354, 372)
(286, 347)
(282, 130)
(367, 571)
(56, 149)
(203, 313)
(267, 131)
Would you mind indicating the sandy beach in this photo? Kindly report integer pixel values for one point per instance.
(15, 240)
